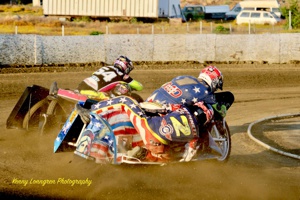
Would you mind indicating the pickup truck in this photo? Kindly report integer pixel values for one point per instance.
(198, 12)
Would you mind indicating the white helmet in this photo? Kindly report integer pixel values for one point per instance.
(213, 77)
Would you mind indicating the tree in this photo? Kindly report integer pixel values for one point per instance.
(295, 13)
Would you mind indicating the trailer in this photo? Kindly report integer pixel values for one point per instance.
(113, 8)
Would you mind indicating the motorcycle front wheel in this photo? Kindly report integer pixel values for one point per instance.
(221, 135)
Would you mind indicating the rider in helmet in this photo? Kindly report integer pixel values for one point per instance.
(189, 103)
(214, 79)
(109, 77)
(189, 90)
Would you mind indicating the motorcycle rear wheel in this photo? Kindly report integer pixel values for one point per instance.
(56, 116)
(32, 116)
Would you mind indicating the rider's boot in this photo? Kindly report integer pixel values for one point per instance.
(191, 149)
(152, 157)
(138, 152)
(144, 154)
(53, 89)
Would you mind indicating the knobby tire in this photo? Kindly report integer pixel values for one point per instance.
(32, 110)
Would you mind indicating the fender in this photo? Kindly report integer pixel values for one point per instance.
(31, 96)
(71, 129)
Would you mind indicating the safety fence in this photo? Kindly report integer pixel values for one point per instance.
(146, 28)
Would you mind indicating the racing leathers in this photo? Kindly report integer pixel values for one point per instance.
(187, 90)
(183, 90)
(105, 79)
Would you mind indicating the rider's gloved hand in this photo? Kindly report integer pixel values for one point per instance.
(122, 89)
(189, 154)
(135, 85)
(83, 113)
(206, 109)
(221, 109)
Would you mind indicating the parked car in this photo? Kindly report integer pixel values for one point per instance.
(257, 17)
(263, 5)
(194, 12)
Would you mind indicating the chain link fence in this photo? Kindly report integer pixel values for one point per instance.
(97, 28)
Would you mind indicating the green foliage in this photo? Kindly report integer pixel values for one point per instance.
(96, 33)
(198, 18)
(20, 10)
(295, 14)
(86, 19)
(133, 20)
(221, 30)
(17, 9)
(82, 19)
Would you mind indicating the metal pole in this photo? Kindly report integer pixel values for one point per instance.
(290, 20)
(63, 30)
(200, 27)
(106, 29)
(211, 29)
(249, 27)
(152, 29)
(16, 30)
(35, 59)
(187, 27)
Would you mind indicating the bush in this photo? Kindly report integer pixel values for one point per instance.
(221, 29)
(96, 33)
(295, 14)
(133, 20)
(82, 19)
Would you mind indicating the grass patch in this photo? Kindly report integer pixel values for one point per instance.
(21, 10)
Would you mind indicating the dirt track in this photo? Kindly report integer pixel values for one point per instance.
(251, 173)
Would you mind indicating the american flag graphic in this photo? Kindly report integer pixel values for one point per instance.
(135, 115)
(96, 141)
(119, 112)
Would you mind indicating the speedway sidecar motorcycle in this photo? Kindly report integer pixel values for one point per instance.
(95, 140)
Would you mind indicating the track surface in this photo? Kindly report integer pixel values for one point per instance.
(252, 172)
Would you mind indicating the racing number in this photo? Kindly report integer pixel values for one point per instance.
(181, 127)
(173, 90)
(107, 75)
